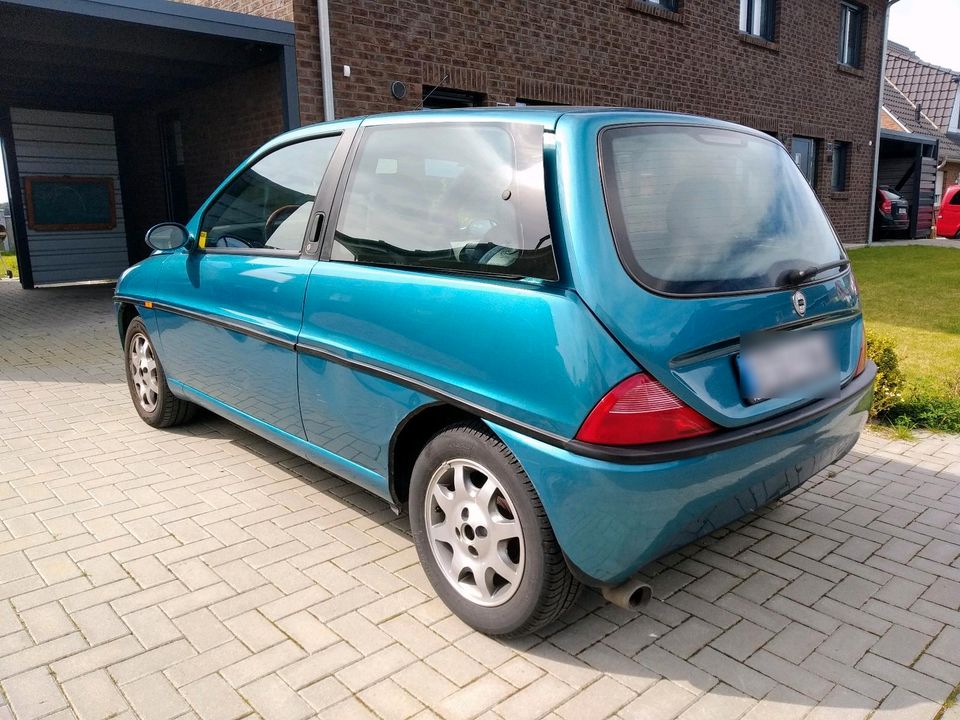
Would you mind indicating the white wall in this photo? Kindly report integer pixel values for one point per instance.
(84, 145)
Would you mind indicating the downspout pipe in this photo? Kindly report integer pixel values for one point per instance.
(326, 59)
(876, 137)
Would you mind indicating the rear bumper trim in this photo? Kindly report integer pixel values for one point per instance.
(679, 449)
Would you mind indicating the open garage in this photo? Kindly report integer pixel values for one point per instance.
(113, 118)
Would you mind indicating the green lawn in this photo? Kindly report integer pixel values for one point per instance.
(10, 259)
(912, 294)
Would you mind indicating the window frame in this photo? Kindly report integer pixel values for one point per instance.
(764, 12)
(840, 165)
(639, 278)
(348, 169)
(815, 158)
(319, 209)
(669, 5)
(848, 12)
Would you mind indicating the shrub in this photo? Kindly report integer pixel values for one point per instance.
(922, 408)
(888, 388)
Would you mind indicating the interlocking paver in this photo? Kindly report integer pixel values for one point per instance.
(902, 645)
(207, 573)
(275, 700)
(663, 701)
(47, 622)
(154, 698)
(389, 700)
(34, 694)
(742, 640)
(688, 637)
(214, 699)
(95, 696)
(795, 642)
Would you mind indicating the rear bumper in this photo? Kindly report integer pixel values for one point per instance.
(888, 222)
(613, 517)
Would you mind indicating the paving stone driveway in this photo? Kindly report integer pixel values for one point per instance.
(204, 572)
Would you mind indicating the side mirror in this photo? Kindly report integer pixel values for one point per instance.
(167, 236)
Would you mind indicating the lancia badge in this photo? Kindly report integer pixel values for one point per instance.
(800, 303)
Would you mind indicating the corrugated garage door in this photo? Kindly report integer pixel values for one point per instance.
(80, 145)
(927, 193)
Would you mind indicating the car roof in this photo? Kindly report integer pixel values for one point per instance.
(546, 115)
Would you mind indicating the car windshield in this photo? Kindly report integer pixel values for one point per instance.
(698, 210)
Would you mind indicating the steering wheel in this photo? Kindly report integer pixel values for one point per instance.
(229, 241)
(273, 218)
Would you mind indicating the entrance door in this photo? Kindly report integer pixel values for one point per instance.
(230, 307)
(174, 172)
(805, 156)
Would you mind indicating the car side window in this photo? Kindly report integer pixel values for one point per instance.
(267, 206)
(456, 197)
(955, 200)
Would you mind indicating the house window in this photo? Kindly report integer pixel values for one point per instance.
(670, 5)
(529, 102)
(804, 152)
(841, 161)
(757, 18)
(851, 33)
(437, 98)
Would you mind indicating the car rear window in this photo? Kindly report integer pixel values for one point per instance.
(890, 195)
(699, 210)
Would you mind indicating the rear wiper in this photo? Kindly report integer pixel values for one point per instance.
(798, 276)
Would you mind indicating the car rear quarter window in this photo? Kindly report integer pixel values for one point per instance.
(464, 197)
(702, 210)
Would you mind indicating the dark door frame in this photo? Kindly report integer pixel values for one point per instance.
(16, 200)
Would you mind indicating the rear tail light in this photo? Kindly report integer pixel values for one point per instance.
(886, 206)
(638, 411)
(862, 360)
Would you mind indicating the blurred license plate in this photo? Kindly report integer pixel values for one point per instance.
(901, 211)
(797, 364)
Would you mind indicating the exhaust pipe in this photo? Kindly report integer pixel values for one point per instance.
(631, 595)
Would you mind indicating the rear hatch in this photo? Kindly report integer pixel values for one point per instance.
(722, 238)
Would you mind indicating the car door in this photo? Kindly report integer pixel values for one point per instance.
(229, 307)
(948, 220)
(438, 281)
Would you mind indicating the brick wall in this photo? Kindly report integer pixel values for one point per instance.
(617, 52)
(607, 52)
(951, 174)
(276, 9)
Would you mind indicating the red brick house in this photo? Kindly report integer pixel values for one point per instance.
(165, 98)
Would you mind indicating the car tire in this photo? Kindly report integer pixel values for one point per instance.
(487, 528)
(147, 382)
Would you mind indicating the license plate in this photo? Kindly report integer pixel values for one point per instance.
(901, 211)
(787, 365)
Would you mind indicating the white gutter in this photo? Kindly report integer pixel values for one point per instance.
(876, 138)
(326, 58)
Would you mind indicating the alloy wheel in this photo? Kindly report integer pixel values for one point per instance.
(474, 532)
(143, 371)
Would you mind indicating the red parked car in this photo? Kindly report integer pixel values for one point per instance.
(948, 217)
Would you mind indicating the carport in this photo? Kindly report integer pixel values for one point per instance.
(116, 115)
(907, 165)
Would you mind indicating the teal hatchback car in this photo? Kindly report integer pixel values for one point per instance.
(567, 341)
